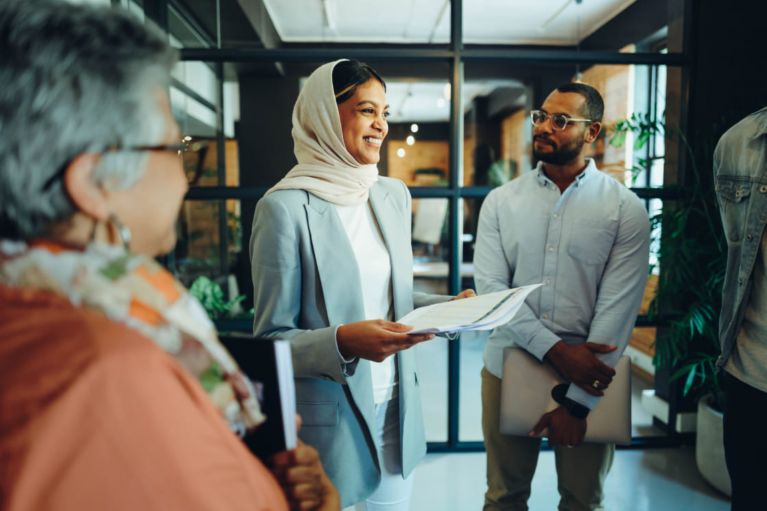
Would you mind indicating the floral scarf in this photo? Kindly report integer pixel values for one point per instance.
(138, 292)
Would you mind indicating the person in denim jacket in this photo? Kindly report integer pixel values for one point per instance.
(740, 169)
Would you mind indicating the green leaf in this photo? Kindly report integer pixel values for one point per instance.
(117, 268)
(618, 139)
(211, 296)
(212, 377)
(690, 380)
(642, 139)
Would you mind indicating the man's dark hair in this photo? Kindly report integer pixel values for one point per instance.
(594, 107)
(348, 74)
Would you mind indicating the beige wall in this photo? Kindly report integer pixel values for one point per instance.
(615, 83)
(469, 143)
(423, 154)
(513, 139)
(203, 216)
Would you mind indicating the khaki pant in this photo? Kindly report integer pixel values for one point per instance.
(511, 461)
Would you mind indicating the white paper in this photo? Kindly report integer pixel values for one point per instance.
(483, 312)
(284, 362)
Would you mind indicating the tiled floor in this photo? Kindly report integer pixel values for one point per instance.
(640, 480)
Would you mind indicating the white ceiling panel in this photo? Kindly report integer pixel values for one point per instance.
(553, 22)
(363, 21)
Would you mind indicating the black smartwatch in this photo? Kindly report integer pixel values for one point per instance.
(574, 408)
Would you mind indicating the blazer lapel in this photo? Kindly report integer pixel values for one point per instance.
(336, 265)
(392, 223)
(341, 289)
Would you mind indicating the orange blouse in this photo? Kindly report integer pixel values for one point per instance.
(95, 416)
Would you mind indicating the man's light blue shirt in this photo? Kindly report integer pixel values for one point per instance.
(589, 246)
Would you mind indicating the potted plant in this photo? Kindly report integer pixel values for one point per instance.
(692, 255)
(211, 296)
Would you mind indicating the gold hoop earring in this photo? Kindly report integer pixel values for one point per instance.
(123, 231)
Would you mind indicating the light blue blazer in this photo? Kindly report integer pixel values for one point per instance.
(306, 283)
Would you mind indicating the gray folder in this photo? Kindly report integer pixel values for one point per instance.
(526, 396)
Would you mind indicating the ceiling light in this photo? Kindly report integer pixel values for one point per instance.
(410, 140)
(414, 128)
(401, 152)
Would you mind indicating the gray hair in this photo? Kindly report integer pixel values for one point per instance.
(73, 79)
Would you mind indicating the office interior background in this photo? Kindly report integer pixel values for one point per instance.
(462, 77)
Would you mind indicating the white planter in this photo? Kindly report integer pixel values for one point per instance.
(709, 447)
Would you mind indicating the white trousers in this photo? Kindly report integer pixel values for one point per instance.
(393, 494)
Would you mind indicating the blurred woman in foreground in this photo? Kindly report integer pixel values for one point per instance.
(103, 353)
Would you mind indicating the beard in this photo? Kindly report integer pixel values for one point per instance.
(561, 155)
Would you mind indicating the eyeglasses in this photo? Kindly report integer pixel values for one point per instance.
(185, 146)
(558, 121)
(192, 151)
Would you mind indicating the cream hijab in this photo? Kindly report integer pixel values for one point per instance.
(325, 167)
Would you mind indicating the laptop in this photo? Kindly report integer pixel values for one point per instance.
(526, 396)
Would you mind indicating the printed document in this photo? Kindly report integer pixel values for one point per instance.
(483, 312)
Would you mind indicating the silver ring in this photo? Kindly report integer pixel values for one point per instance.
(596, 384)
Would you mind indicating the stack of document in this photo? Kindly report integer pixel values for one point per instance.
(483, 312)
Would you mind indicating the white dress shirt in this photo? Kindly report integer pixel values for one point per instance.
(589, 246)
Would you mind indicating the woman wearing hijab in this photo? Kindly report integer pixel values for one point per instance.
(332, 267)
(115, 392)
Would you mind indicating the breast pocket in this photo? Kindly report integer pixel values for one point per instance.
(733, 194)
(591, 241)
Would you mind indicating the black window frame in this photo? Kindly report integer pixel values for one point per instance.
(456, 54)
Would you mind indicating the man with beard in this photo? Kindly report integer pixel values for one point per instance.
(585, 237)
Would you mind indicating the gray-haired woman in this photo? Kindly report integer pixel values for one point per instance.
(103, 352)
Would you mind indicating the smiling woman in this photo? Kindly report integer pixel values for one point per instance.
(363, 120)
(361, 97)
(332, 267)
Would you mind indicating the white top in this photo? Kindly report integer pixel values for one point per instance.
(375, 274)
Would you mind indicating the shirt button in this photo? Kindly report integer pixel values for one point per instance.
(749, 237)
(547, 281)
(740, 282)
(555, 215)
(763, 188)
(550, 248)
(545, 316)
